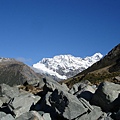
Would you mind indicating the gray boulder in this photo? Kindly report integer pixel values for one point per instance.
(46, 116)
(8, 117)
(4, 116)
(107, 96)
(86, 104)
(51, 85)
(7, 93)
(86, 93)
(23, 102)
(83, 90)
(32, 115)
(66, 105)
(1, 103)
(16, 101)
(78, 86)
(95, 114)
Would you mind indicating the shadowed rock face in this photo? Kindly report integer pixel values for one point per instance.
(13, 72)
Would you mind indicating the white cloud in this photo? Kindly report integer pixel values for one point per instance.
(25, 60)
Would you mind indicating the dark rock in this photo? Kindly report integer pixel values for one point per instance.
(107, 96)
(117, 116)
(66, 105)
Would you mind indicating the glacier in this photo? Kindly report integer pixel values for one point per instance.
(65, 66)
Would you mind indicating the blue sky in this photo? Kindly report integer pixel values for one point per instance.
(33, 29)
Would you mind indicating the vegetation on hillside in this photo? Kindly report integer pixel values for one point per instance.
(104, 70)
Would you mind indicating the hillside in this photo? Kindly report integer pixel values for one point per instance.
(13, 72)
(105, 69)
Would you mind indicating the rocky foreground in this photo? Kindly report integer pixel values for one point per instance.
(50, 100)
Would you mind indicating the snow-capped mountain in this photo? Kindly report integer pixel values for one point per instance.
(65, 66)
(5, 59)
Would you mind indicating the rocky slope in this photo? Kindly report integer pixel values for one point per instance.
(105, 69)
(13, 72)
(54, 101)
(65, 66)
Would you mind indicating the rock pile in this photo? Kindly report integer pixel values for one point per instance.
(54, 101)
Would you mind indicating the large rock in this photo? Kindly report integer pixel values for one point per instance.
(107, 96)
(51, 85)
(4, 116)
(66, 105)
(16, 101)
(117, 116)
(23, 102)
(46, 116)
(7, 93)
(95, 114)
(32, 115)
(83, 90)
(78, 86)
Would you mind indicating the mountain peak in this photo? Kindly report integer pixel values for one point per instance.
(65, 66)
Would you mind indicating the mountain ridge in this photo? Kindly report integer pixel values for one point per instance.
(13, 72)
(65, 66)
(107, 69)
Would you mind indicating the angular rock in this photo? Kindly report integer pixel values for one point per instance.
(66, 105)
(46, 116)
(107, 118)
(51, 85)
(4, 116)
(23, 103)
(46, 107)
(118, 115)
(8, 117)
(86, 104)
(7, 93)
(95, 114)
(83, 90)
(65, 86)
(107, 96)
(32, 115)
(79, 86)
(86, 93)
(1, 103)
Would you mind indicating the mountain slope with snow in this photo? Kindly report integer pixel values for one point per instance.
(65, 66)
